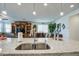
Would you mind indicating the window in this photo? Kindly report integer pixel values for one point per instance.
(42, 28)
(7, 27)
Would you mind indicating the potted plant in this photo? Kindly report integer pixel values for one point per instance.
(52, 28)
(56, 29)
(59, 28)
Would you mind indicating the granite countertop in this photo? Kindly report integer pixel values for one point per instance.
(8, 46)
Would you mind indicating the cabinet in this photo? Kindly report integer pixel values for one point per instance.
(24, 26)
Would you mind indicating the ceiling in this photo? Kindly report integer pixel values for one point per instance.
(44, 13)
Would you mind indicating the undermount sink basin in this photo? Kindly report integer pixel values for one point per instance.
(29, 46)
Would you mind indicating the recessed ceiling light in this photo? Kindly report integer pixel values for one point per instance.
(4, 12)
(34, 12)
(19, 3)
(45, 4)
(71, 6)
(61, 13)
(0, 19)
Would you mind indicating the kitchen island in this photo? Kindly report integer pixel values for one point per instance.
(56, 47)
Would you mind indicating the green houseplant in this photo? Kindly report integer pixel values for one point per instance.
(52, 27)
(55, 29)
(58, 28)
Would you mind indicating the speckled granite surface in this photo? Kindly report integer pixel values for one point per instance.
(58, 48)
(45, 54)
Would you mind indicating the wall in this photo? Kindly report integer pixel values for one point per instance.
(65, 19)
(74, 27)
(65, 31)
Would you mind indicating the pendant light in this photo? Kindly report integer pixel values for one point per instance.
(71, 6)
(18, 3)
(61, 9)
(61, 13)
(34, 12)
(45, 4)
(4, 9)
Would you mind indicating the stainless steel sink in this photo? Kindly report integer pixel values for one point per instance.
(29, 46)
